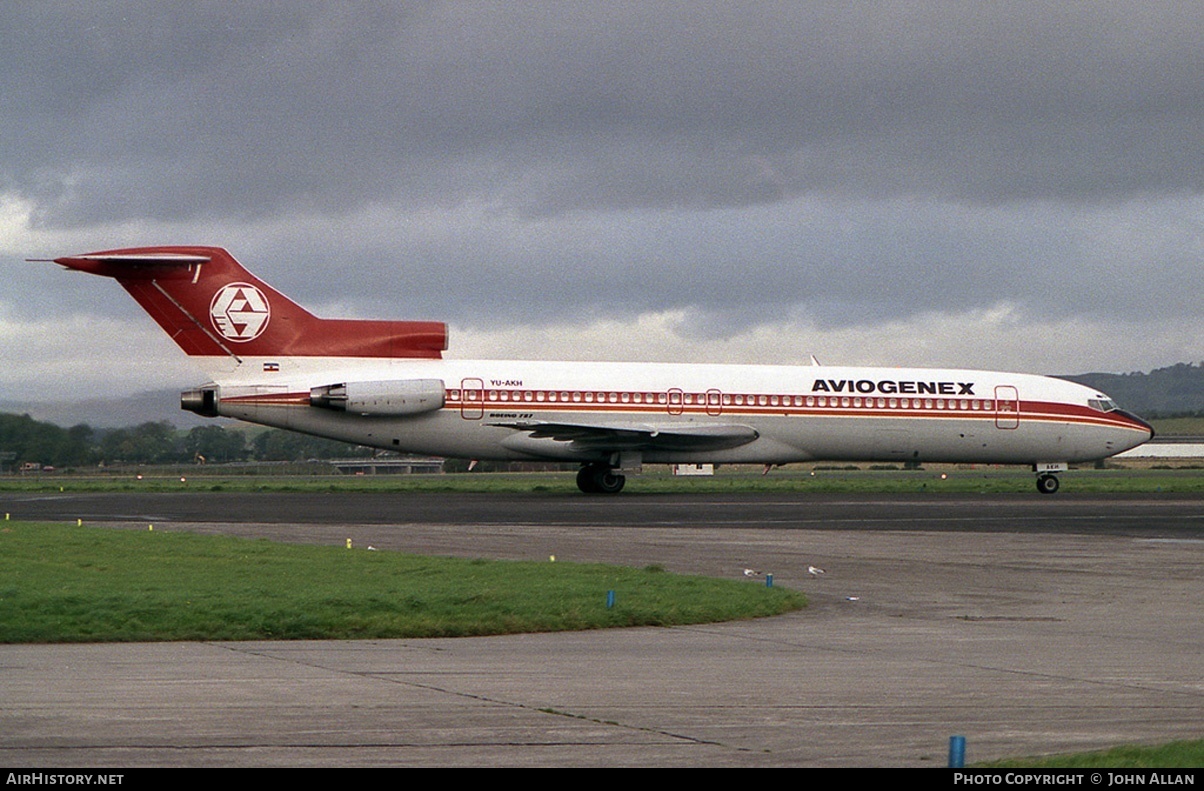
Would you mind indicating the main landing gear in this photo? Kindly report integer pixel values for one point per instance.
(1046, 483)
(600, 479)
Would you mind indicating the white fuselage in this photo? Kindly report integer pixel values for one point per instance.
(800, 413)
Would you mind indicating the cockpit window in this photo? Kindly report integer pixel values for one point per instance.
(1102, 404)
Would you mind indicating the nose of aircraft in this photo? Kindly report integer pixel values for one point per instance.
(1140, 424)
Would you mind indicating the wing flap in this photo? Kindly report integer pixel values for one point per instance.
(638, 436)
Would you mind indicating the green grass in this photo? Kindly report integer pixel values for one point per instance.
(83, 584)
(1179, 426)
(1184, 754)
(1179, 477)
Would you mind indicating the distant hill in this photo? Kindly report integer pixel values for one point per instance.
(161, 405)
(1163, 392)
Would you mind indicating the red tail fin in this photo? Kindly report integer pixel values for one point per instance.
(211, 306)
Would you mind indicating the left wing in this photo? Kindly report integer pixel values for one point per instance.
(638, 436)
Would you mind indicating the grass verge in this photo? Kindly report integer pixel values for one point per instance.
(849, 479)
(1183, 754)
(83, 584)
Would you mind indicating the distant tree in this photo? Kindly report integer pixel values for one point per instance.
(278, 445)
(215, 444)
(26, 439)
(78, 446)
(148, 443)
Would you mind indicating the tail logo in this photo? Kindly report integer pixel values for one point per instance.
(240, 312)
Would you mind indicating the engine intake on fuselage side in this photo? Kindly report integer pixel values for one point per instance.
(390, 397)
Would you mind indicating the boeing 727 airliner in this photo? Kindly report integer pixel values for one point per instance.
(385, 384)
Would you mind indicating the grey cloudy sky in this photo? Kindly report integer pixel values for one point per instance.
(1004, 185)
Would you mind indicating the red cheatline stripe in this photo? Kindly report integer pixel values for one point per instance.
(519, 399)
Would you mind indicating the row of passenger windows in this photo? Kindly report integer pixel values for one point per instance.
(715, 399)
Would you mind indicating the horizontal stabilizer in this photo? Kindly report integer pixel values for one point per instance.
(136, 259)
(136, 265)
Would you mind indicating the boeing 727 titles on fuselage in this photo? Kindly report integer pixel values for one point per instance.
(385, 384)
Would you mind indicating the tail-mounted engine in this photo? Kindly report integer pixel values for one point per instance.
(395, 397)
(202, 400)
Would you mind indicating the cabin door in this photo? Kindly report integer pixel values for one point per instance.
(472, 399)
(1007, 407)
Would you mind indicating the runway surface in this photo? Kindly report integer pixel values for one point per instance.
(1160, 514)
(1028, 624)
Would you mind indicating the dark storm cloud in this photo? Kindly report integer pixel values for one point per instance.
(831, 263)
(120, 109)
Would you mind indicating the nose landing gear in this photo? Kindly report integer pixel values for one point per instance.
(1047, 475)
(1046, 483)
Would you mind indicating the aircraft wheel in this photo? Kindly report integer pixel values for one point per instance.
(599, 479)
(607, 481)
(585, 479)
(1047, 484)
